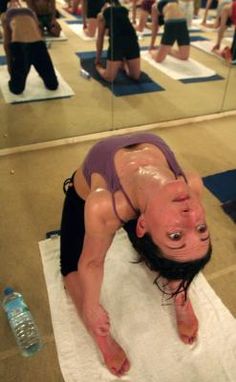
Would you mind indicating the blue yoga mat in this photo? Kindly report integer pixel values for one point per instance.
(78, 21)
(223, 186)
(3, 60)
(123, 85)
(198, 38)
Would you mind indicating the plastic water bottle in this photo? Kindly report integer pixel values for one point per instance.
(21, 322)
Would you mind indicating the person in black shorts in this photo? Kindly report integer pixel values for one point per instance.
(170, 14)
(92, 8)
(24, 47)
(123, 51)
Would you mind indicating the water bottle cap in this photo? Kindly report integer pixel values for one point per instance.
(8, 290)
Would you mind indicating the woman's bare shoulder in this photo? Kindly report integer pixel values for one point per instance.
(99, 213)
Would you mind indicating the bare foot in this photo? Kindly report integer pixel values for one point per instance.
(187, 322)
(114, 356)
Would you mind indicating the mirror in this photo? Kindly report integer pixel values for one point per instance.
(206, 89)
(93, 108)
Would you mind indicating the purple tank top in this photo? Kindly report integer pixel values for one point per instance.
(12, 12)
(100, 159)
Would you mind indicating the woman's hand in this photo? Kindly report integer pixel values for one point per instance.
(96, 320)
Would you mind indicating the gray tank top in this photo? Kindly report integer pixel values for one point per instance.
(100, 160)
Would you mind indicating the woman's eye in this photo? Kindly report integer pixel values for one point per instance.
(201, 228)
(175, 236)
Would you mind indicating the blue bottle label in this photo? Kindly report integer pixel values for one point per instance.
(15, 307)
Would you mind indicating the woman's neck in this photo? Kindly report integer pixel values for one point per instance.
(149, 181)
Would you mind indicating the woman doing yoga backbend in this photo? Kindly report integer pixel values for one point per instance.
(132, 181)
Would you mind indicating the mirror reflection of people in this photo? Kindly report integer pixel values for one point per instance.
(24, 47)
(123, 51)
(46, 14)
(169, 13)
(227, 18)
(132, 181)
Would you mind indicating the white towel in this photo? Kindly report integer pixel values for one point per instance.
(50, 38)
(78, 29)
(144, 327)
(179, 69)
(34, 89)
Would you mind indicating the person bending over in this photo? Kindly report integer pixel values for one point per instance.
(123, 50)
(46, 13)
(132, 181)
(145, 11)
(91, 8)
(227, 18)
(216, 23)
(24, 47)
(169, 13)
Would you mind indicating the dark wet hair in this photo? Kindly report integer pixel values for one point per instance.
(155, 259)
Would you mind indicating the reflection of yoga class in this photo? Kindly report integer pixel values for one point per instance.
(118, 160)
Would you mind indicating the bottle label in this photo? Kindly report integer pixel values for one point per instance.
(15, 307)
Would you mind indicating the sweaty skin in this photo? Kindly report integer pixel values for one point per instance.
(145, 175)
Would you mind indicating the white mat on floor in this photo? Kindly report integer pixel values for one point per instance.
(228, 39)
(62, 37)
(78, 29)
(177, 69)
(206, 46)
(35, 89)
(141, 324)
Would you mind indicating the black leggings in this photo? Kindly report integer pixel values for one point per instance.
(73, 230)
(22, 56)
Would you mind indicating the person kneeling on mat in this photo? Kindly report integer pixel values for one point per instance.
(169, 13)
(123, 51)
(24, 47)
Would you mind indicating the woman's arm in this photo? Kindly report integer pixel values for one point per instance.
(100, 38)
(223, 26)
(100, 229)
(155, 26)
(208, 4)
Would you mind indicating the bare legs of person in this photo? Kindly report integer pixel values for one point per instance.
(132, 68)
(91, 27)
(159, 55)
(187, 322)
(142, 21)
(113, 355)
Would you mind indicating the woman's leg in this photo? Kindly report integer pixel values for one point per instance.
(142, 20)
(91, 27)
(19, 67)
(182, 53)
(110, 72)
(42, 62)
(160, 54)
(132, 68)
(72, 236)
